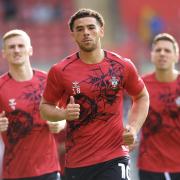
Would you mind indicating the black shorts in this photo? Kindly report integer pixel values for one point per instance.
(147, 175)
(63, 177)
(50, 176)
(115, 169)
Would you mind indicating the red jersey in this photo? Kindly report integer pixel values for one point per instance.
(97, 135)
(30, 148)
(160, 138)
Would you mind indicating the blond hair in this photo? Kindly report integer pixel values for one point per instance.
(16, 32)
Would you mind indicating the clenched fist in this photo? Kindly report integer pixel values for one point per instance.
(129, 136)
(3, 122)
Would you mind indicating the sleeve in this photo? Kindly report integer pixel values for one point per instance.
(133, 82)
(54, 88)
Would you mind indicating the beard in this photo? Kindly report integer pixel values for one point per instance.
(88, 48)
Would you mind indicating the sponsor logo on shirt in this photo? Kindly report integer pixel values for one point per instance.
(114, 82)
(76, 87)
(12, 103)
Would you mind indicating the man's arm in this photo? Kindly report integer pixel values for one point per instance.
(52, 113)
(136, 116)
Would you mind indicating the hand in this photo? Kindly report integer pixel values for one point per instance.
(129, 136)
(56, 127)
(3, 122)
(133, 146)
(72, 110)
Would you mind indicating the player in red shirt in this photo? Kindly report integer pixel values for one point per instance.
(159, 153)
(30, 147)
(92, 82)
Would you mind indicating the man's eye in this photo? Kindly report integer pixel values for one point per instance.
(167, 50)
(158, 50)
(11, 47)
(79, 29)
(21, 45)
(92, 27)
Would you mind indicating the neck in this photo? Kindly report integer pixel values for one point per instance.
(92, 57)
(166, 76)
(21, 73)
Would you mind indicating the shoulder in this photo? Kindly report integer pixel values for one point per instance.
(40, 73)
(66, 62)
(148, 77)
(178, 75)
(118, 58)
(4, 78)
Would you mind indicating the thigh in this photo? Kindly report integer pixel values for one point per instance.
(147, 175)
(117, 169)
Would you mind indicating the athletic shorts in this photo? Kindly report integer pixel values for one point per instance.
(115, 169)
(50, 176)
(147, 175)
(63, 177)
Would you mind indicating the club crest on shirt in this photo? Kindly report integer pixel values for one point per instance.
(12, 103)
(177, 100)
(114, 82)
(76, 87)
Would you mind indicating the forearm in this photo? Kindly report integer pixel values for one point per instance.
(51, 112)
(139, 110)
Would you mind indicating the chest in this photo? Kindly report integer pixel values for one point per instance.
(164, 96)
(93, 80)
(25, 96)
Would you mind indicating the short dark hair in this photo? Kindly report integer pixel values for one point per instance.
(85, 13)
(166, 37)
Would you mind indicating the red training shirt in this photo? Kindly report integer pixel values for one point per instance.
(97, 135)
(160, 138)
(30, 148)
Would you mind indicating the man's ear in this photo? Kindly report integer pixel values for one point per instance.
(3, 53)
(30, 51)
(151, 55)
(102, 31)
(72, 34)
(177, 58)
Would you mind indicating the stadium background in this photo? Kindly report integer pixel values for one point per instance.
(130, 26)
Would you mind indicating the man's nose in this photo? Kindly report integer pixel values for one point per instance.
(16, 49)
(162, 52)
(86, 31)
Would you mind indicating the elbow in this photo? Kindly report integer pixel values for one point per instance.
(143, 98)
(147, 98)
(143, 95)
(42, 112)
(146, 101)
